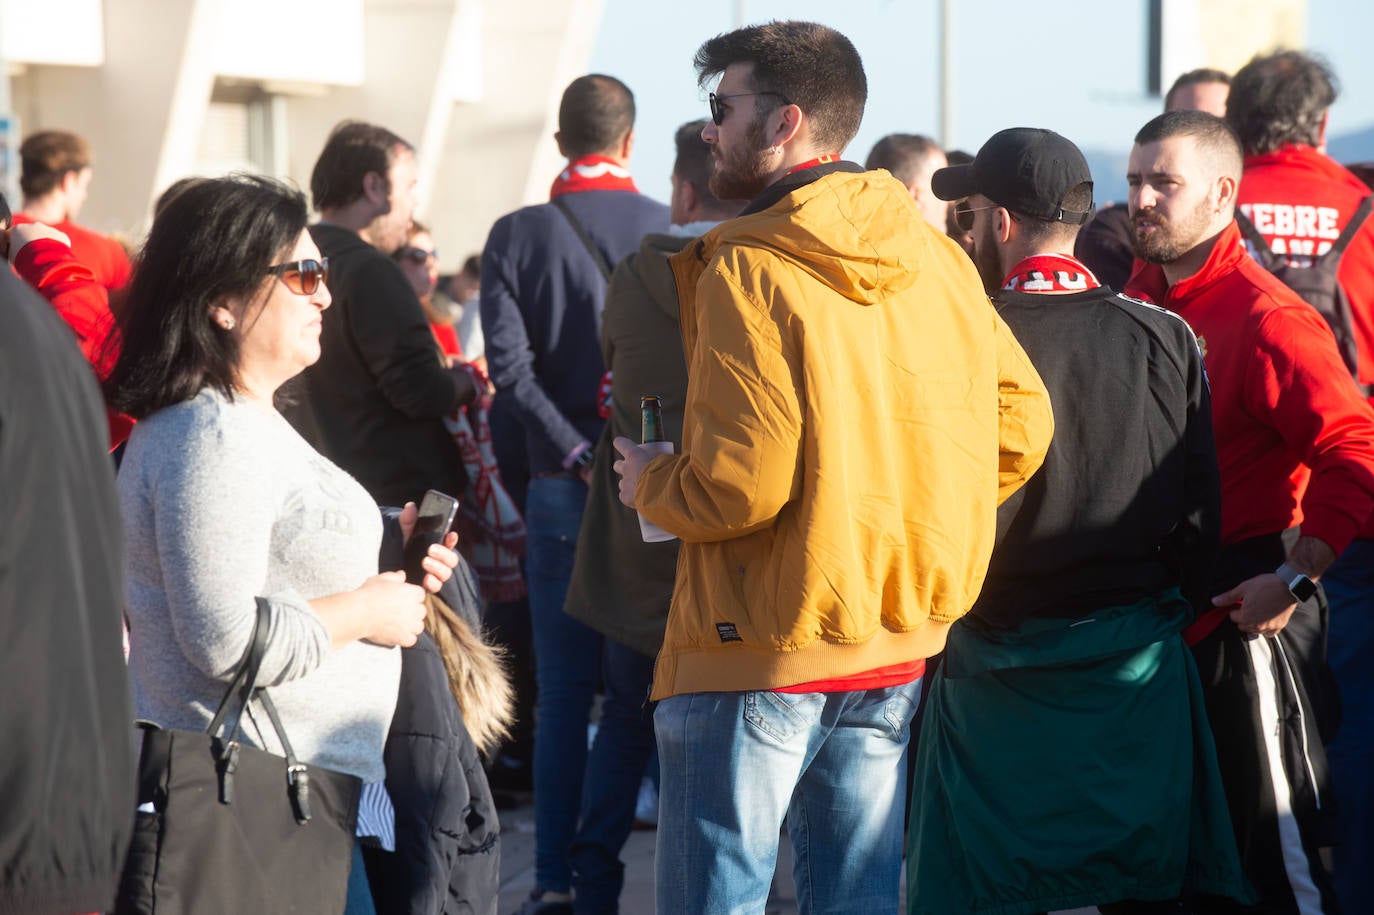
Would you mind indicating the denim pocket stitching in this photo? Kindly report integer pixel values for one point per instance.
(774, 716)
(896, 716)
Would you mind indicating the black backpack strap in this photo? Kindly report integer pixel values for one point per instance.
(1263, 253)
(597, 257)
(1348, 233)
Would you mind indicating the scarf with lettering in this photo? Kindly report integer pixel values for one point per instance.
(592, 173)
(1050, 273)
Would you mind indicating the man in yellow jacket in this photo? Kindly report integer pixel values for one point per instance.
(855, 413)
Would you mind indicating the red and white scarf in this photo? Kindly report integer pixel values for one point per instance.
(592, 173)
(491, 533)
(1050, 273)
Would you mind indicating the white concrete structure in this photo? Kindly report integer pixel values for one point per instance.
(167, 88)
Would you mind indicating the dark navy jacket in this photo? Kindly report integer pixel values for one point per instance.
(448, 836)
(542, 295)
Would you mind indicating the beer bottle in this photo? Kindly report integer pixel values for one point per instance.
(651, 419)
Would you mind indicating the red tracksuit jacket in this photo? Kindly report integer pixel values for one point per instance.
(1295, 440)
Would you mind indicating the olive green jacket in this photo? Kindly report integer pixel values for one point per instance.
(621, 586)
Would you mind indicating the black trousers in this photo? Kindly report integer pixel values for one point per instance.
(1272, 704)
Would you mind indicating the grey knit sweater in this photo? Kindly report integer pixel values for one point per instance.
(223, 502)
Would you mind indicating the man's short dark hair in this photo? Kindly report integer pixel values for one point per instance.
(596, 113)
(354, 149)
(1278, 99)
(1034, 230)
(905, 155)
(812, 66)
(1215, 138)
(694, 166)
(1194, 78)
(49, 156)
(473, 266)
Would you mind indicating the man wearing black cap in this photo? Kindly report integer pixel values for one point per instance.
(1068, 704)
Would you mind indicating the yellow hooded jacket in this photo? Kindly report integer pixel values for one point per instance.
(856, 411)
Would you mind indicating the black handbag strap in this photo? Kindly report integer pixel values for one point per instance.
(246, 678)
(581, 230)
(245, 685)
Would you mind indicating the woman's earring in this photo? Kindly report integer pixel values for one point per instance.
(227, 322)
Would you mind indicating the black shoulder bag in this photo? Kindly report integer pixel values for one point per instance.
(236, 829)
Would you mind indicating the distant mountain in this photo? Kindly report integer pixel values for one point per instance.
(1352, 147)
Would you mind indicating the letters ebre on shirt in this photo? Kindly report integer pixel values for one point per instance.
(1303, 232)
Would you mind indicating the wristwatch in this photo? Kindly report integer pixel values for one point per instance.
(1299, 585)
(584, 460)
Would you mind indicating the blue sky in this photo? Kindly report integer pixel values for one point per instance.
(1013, 65)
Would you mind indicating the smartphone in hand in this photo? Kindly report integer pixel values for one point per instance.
(437, 512)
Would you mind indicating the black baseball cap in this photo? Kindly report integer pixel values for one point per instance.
(1025, 169)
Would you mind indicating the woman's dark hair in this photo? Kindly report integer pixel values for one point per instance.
(213, 239)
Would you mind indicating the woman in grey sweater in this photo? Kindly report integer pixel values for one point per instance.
(223, 501)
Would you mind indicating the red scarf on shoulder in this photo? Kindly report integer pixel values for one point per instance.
(592, 173)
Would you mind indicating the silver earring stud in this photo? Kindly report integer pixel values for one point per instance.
(227, 323)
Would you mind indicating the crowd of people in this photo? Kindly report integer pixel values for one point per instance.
(1022, 545)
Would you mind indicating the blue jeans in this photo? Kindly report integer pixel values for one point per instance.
(359, 900)
(1349, 586)
(624, 743)
(734, 765)
(567, 657)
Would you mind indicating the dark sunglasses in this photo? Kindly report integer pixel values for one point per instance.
(303, 277)
(417, 255)
(963, 215)
(718, 109)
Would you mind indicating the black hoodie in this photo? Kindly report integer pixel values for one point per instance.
(67, 766)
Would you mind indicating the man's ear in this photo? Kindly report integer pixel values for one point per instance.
(70, 180)
(558, 139)
(1002, 225)
(627, 145)
(376, 188)
(789, 125)
(1225, 189)
(691, 200)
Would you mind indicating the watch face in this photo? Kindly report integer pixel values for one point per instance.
(1302, 587)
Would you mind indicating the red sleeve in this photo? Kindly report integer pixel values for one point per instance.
(447, 338)
(1304, 389)
(50, 267)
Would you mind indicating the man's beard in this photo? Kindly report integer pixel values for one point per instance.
(1169, 241)
(743, 173)
(985, 258)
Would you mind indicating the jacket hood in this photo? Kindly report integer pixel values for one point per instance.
(855, 233)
